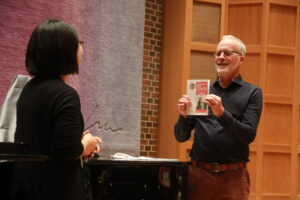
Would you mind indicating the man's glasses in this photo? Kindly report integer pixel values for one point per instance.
(227, 53)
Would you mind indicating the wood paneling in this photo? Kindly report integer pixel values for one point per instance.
(202, 66)
(298, 175)
(279, 79)
(206, 22)
(276, 197)
(270, 29)
(276, 173)
(244, 21)
(278, 124)
(282, 25)
(298, 127)
(172, 74)
(252, 171)
(250, 68)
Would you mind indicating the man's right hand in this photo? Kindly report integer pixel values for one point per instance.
(183, 105)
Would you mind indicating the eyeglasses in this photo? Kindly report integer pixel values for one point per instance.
(81, 43)
(227, 53)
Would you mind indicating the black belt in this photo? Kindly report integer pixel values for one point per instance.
(218, 167)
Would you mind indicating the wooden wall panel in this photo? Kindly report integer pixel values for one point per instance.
(298, 129)
(172, 74)
(282, 26)
(206, 22)
(280, 73)
(276, 197)
(298, 176)
(252, 171)
(276, 173)
(278, 123)
(202, 66)
(250, 68)
(244, 21)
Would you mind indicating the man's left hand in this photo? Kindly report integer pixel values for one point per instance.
(215, 104)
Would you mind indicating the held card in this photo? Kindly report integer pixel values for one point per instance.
(196, 91)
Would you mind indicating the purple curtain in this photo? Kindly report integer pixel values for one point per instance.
(109, 82)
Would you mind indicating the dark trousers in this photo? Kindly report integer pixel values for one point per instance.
(229, 185)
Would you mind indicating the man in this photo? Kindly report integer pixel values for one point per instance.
(220, 151)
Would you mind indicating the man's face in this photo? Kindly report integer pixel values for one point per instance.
(228, 59)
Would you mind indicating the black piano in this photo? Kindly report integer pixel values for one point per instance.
(111, 179)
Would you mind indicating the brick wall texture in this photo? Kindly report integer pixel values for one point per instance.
(151, 77)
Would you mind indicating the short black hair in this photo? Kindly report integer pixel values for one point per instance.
(52, 49)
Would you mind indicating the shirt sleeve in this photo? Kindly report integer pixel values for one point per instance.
(244, 130)
(68, 127)
(183, 128)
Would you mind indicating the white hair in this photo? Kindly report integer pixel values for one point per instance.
(242, 46)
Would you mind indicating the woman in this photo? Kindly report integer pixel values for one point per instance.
(49, 119)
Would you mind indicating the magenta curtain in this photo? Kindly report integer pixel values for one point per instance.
(109, 82)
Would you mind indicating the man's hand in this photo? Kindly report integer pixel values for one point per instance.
(215, 103)
(183, 105)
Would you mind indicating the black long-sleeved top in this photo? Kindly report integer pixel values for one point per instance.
(49, 120)
(225, 139)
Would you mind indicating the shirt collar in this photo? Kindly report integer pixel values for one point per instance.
(237, 81)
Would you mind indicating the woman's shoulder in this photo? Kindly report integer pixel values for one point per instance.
(51, 88)
(51, 83)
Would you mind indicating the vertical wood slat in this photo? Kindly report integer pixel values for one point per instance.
(295, 114)
(172, 70)
(224, 17)
(187, 43)
(186, 64)
(263, 63)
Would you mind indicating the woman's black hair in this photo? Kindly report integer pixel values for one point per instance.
(52, 49)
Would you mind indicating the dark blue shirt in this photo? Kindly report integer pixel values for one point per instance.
(225, 139)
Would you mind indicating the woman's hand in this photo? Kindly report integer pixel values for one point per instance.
(90, 144)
